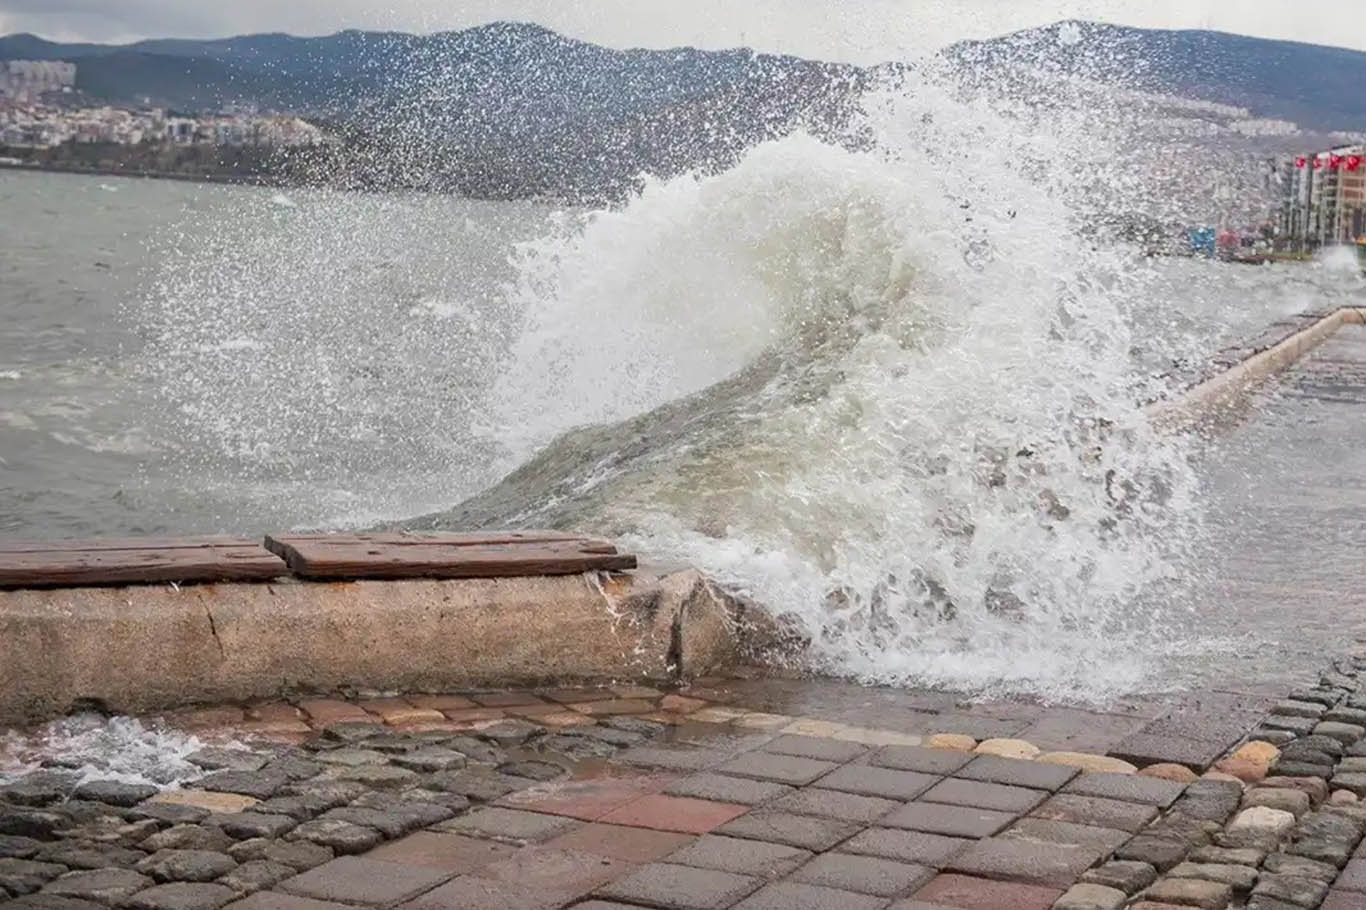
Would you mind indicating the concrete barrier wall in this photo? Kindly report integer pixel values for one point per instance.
(1224, 391)
(144, 649)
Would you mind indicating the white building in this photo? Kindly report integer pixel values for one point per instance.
(27, 80)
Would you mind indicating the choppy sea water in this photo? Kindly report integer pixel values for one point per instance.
(895, 394)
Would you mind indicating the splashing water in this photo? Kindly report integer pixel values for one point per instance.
(914, 426)
(93, 747)
(891, 389)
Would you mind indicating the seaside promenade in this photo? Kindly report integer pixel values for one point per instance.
(746, 787)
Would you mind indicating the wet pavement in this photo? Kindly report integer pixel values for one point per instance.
(732, 792)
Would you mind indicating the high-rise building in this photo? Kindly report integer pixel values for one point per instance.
(1324, 199)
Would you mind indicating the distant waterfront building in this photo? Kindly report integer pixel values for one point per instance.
(28, 80)
(1324, 199)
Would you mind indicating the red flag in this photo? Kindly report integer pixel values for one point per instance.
(1318, 162)
(1334, 161)
(1353, 162)
(1301, 161)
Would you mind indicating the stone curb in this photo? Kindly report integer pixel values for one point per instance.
(1222, 392)
(144, 649)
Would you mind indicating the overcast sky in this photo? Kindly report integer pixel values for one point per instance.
(855, 30)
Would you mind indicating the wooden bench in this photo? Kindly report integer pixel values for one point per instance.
(123, 561)
(335, 557)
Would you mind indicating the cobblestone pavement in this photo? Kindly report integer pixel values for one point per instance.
(748, 793)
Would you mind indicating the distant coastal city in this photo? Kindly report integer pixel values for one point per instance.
(47, 122)
(41, 109)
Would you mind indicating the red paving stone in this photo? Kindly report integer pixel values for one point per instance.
(505, 699)
(454, 853)
(613, 707)
(556, 869)
(632, 845)
(471, 893)
(588, 800)
(441, 702)
(674, 813)
(331, 711)
(274, 711)
(474, 715)
(681, 705)
(971, 893)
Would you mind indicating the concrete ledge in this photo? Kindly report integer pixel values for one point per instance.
(146, 649)
(1224, 391)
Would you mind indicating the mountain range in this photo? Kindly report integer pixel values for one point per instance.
(514, 108)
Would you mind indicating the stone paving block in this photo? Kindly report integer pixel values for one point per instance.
(1095, 810)
(954, 821)
(1016, 773)
(1123, 875)
(1104, 840)
(588, 799)
(1300, 726)
(919, 847)
(104, 886)
(182, 896)
(979, 727)
(1057, 865)
(1341, 900)
(256, 876)
(673, 758)
(511, 825)
(298, 855)
(453, 853)
(984, 796)
(1347, 734)
(863, 874)
(1189, 892)
(1072, 730)
(1087, 896)
(887, 783)
(1158, 851)
(271, 900)
(550, 869)
(835, 804)
(938, 762)
(743, 857)
(817, 747)
(1150, 749)
(186, 865)
(20, 876)
(632, 845)
(440, 702)
(805, 831)
(1241, 856)
(798, 896)
(681, 887)
(1239, 878)
(782, 769)
(725, 789)
(613, 706)
(972, 893)
(674, 813)
(361, 880)
(1353, 877)
(468, 892)
(1132, 788)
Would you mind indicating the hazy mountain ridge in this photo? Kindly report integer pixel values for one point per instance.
(514, 109)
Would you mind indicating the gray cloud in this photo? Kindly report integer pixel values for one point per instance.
(861, 30)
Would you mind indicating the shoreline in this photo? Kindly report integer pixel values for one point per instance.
(216, 179)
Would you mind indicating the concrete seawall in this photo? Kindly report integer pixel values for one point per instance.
(144, 649)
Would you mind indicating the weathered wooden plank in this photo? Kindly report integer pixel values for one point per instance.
(339, 557)
(102, 544)
(68, 568)
(438, 538)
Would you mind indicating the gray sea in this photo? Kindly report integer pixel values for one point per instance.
(786, 374)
